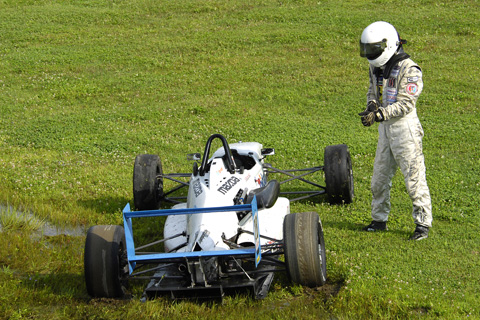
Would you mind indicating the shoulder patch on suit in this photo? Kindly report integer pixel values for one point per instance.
(412, 88)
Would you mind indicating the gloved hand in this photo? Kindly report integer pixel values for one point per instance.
(368, 118)
(372, 113)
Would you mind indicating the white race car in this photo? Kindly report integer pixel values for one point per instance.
(229, 235)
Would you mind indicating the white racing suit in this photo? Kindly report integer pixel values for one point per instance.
(399, 142)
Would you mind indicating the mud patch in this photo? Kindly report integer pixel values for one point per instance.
(328, 290)
(331, 290)
(28, 221)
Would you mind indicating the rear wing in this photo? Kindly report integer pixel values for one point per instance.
(135, 257)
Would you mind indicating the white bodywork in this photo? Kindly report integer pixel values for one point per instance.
(216, 188)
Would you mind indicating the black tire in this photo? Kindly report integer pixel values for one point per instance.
(105, 262)
(147, 182)
(338, 174)
(304, 249)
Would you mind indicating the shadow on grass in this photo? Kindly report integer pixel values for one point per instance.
(105, 204)
(349, 226)
(345, 225)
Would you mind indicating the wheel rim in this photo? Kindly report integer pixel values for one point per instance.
(159, 183)
(350, 178)
(122, 264)
(321, 253)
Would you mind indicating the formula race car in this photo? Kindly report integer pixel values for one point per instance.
(233, 232)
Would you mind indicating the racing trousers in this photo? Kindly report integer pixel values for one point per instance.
(400, 145)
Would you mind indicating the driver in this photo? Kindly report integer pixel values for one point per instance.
(395, 84)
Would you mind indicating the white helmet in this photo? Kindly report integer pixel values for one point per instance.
(379, 42)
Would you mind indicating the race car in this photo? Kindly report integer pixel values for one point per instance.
(233, 232)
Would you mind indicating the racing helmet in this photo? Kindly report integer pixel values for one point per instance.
(379, 42)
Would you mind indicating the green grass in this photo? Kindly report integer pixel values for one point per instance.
(87, 85)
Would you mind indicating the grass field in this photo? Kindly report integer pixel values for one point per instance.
(87, 85)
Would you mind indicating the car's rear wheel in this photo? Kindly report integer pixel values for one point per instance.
(338, 174)
(105, 262)
(147, 182)
(304, 249)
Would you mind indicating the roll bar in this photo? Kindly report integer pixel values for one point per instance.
(230, 163)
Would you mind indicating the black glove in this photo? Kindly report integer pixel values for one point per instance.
(368, 118)
(372, 113)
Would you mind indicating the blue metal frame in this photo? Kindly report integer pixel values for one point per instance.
(133, 258)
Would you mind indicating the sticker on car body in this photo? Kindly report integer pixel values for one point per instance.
(197, 188)
(228, 185)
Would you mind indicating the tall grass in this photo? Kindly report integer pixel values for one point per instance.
(13, 220)
(87, 85)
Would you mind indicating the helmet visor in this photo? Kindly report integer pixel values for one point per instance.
(372, 51)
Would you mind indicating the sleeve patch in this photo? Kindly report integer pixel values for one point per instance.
(412, 88)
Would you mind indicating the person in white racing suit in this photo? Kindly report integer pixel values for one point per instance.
(395, 85)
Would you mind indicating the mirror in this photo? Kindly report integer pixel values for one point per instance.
(194, 156)
(268, 152)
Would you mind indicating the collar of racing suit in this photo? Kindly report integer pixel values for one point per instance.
(396, 58)
(387, 68)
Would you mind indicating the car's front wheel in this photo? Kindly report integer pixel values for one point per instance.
(338, 174)
(147, 182)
